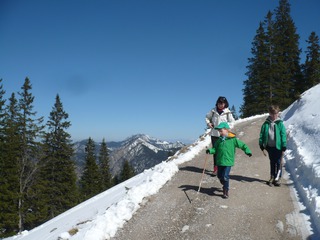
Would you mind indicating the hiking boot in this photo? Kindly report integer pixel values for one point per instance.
(271, 180)
(225, 193)
(277, 183)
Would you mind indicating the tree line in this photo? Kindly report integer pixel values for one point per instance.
(275, 75)
(38, 179)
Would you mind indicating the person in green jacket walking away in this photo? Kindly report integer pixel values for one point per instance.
(224, 148)
(273, 138)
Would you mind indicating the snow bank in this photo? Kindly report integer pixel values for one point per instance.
(302, 121)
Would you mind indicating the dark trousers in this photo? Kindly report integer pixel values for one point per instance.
(275, 156)
(223, 175)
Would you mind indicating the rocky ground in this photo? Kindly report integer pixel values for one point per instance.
(254, 210)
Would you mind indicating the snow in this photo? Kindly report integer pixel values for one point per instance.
(101, 216)
(303, 155)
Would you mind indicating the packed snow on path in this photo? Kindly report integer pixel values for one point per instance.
(101, 216)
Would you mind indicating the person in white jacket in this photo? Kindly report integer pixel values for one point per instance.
(220, 113)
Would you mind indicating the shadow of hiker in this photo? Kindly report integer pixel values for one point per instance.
(191, 169)
(212, 191)
(246, 179)
(195, 169)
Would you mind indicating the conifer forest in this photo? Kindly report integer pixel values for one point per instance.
(38, 179)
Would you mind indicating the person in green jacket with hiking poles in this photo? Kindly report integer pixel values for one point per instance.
(224, 148)
(273, 138)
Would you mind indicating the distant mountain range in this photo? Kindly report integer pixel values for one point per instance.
(141, 151)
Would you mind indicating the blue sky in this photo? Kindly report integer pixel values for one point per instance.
(123, 67)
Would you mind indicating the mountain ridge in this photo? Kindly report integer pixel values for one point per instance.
(140, 150)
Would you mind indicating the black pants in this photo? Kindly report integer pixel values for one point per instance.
(275, 157)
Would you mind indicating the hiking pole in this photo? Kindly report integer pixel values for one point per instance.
(280, 168)
(204, 168)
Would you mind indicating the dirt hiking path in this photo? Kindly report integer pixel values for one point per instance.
(253, 210)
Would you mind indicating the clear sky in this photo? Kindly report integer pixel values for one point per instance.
(123, 67)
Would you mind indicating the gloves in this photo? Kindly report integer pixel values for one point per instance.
(249, 154)
(284, 149)
(207, 151)
(261, 147)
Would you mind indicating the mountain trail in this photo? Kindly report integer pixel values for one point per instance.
(253, 210)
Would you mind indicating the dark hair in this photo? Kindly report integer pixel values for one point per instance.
(274, 109)
(222, 100)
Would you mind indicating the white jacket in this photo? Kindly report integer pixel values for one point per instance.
(215, 118)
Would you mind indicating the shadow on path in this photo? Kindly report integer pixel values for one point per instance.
(196, 169)
(246, 179)
(233, 177)
(191, 169)
(212, 191)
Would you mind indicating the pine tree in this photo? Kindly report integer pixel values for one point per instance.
(311, 68)
(269, 80)
(274, 72)
(2, 158)
(2, 131)
(2, 128)
(9, 177)
(30, 130)
(104, 165)
(287, 70)
(256, 87)
(115, 180)
(234, 114)
(127, 171)
(2, 115)
(56, 190)
(91, 180)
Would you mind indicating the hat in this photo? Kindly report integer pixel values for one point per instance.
(222, 125)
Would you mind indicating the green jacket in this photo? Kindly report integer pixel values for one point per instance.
(280, 134)
(225, 150)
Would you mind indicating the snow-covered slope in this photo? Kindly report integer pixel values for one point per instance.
(101, 216)
(302, 120)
